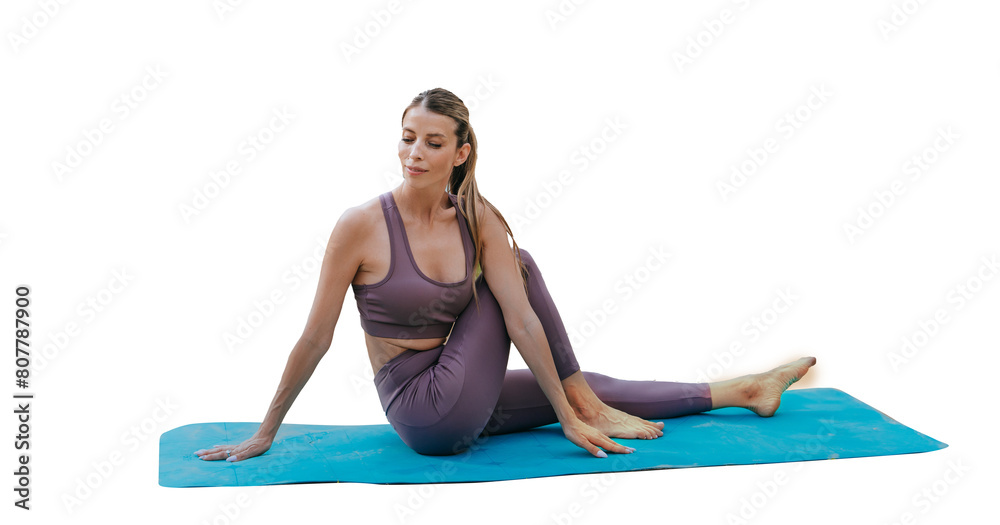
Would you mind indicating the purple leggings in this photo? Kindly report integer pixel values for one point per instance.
(441, 400)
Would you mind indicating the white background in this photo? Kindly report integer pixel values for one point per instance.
(541, 86)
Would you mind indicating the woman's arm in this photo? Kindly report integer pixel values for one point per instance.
(340, 264)
(501, 272)
(298, 369)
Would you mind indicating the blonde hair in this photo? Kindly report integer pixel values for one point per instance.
(463, 177)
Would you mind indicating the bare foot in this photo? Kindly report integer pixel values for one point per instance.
(764, 390)
(617, 424)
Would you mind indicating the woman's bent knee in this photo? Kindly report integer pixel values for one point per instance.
(438, 440)
(526, 257)
(440, 445)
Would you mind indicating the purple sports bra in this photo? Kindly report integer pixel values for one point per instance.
(407, 304)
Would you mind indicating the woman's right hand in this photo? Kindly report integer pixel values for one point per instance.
(591, 439)
(252, 447)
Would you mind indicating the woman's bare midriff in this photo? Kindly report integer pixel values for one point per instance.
(382, 349)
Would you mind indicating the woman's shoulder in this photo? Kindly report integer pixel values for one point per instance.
(363, 217)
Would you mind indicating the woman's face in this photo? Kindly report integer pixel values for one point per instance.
(428, 148)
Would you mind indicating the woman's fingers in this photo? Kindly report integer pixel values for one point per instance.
(587, 444)
(252, 447)
(237, 453)
(592, 440)
(244, 452)
(596, 451)
(608, 444)
(600, 439)
(215, 453)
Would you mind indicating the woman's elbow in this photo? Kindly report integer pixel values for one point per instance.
(521, 328)
(316, 341)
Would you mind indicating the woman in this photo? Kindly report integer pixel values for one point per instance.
(442, 295)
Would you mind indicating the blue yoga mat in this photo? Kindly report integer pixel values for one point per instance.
(816, 423)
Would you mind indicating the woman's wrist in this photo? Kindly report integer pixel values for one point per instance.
(266, 431)
(564, 411)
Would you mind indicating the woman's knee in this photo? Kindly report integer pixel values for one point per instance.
(442, 445)
(454, 434)
(526, 257)
(529, 263)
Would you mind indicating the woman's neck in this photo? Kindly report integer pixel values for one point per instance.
(422, 204)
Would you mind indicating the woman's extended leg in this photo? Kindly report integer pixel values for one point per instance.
(619, 407)
(522, 403)
(760, 393)
(615, 406)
